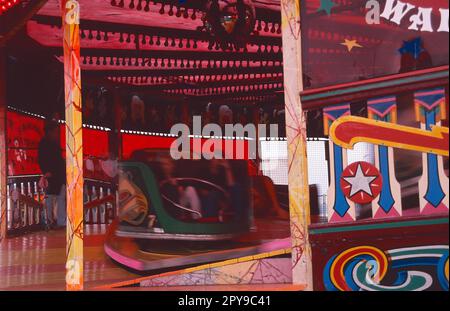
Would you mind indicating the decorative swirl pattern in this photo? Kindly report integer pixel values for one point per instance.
(369, 268)
(338, 266)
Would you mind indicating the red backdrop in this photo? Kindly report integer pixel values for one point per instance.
(25, 132)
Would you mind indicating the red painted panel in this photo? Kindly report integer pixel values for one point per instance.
(133, 142)
(25, 133)
(95, 142)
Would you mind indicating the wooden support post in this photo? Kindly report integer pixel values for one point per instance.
(3, 142)
(74, 144)
(299, 206)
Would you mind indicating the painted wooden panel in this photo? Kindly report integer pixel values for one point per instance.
(409, 253)
(259, 271)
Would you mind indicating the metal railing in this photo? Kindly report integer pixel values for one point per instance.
(24, 205)
(26, 201)
(100, 202)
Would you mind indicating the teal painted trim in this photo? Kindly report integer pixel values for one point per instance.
(371, 86)
(385, 225)
(402, 252)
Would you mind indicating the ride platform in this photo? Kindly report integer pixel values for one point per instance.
(270, 237)
(36, 261)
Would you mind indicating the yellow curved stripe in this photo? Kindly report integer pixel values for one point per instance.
(436, 132)
(446, 269)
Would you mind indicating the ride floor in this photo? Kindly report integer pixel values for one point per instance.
(36, 261)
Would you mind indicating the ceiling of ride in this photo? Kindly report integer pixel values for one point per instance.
(157, 45)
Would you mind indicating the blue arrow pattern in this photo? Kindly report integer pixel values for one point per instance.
(340, 204)
(386, 200)
(434, 194)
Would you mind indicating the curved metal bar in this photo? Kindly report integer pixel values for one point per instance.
(181, 206)
(164, 182)
(195, 179)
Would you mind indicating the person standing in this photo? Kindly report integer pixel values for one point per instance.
(53, 168)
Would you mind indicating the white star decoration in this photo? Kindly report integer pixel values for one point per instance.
(360, 182)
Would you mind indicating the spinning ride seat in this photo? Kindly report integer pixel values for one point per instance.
(150, 210)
